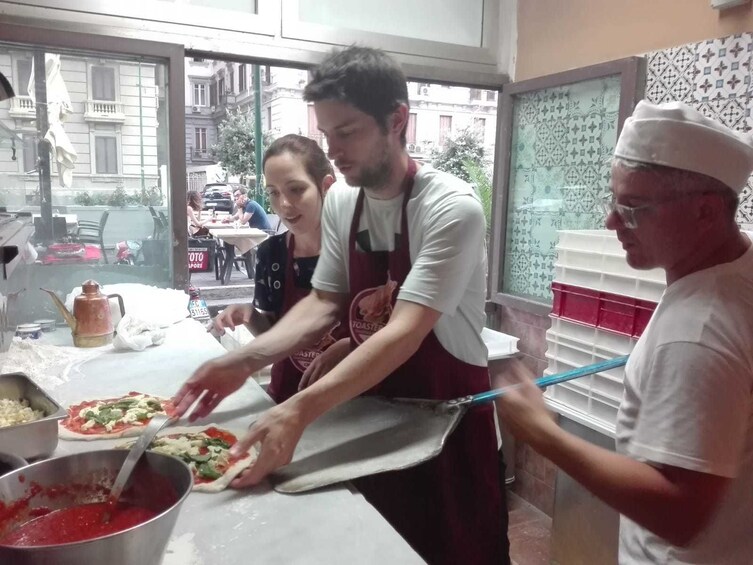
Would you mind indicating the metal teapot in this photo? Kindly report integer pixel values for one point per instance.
(91, 321)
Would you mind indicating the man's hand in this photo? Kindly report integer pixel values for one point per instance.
(232, 316)
(212, 381)
(522, 409)
(278, 430)
(325, 362)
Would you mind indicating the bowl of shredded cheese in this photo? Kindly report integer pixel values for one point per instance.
(28, 417)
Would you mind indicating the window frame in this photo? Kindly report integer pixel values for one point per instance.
(115, 81)
(198, 133)
(95, 153)
(172, 56)
(631, 71)
(201, 89)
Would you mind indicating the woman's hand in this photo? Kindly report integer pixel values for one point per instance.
(232, 316)
(212, 382)
(325, 362)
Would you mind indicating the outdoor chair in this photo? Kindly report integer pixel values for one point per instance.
(93, 232)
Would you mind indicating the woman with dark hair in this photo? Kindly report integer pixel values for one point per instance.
(298, 175)
(195, 226)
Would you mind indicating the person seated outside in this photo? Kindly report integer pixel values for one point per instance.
(196, 227)
(248, 211)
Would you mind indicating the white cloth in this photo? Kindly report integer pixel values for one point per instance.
(446, 230)
(676, 135)
(136, 334)
(689, 403)
(58, 107)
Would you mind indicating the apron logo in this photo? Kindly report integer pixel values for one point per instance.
(303, 358)
(371, 310)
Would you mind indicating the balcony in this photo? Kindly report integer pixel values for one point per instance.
(108, 111)
(22, 107)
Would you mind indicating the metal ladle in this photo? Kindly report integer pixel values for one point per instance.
(155, 425)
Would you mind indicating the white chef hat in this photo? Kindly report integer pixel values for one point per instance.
(675, 135)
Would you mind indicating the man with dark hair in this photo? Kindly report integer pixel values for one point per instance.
(682, 477)
(248, 211)
(404, 255)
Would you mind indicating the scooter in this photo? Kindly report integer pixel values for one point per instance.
(127, 252)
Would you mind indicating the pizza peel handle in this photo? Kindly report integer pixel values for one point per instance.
(146, 437)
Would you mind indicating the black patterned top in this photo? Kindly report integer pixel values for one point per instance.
(271, 257)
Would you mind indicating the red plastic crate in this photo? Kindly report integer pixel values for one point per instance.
(620, 314)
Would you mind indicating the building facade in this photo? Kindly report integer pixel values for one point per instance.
(215, 87)
(113, 127)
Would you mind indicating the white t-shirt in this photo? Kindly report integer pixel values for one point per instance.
(688, 403)
(446, 228)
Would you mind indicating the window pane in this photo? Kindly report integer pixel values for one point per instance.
(113, 154)
(561, 140)
(445, 128)
(103, 83)
(106, 155)
(242, 77)
(410, 132)
(24, 74)
(30, 153)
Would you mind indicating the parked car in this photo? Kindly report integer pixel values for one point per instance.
(219, 196)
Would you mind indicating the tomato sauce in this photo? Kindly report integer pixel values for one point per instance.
(76, 523)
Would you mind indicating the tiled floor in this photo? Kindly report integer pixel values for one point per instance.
(529, 532)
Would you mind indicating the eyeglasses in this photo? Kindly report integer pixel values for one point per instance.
(629, 214)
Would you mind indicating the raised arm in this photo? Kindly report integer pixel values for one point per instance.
(301, 327)
(280, 428)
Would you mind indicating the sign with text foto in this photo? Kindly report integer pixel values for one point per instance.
(198, 259)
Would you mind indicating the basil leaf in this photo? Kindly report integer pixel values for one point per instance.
(206, 471)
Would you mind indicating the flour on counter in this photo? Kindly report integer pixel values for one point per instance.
(48, 366)
(182, 550)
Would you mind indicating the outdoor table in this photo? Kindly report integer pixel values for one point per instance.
(243, 239)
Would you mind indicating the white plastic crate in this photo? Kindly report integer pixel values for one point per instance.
(625, 285)
(590, 335)
(595, 259)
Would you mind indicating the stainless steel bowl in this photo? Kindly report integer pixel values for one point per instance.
(10, 462)
(32, 439)
(160, 483)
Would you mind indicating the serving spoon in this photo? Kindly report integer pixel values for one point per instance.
(155, 425)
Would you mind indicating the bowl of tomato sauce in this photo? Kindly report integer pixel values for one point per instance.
(53, 511)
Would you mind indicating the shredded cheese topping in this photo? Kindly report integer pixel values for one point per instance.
(134, 410)
(207, 456)
(14, 412)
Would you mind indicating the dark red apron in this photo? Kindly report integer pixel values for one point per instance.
(449, 509)
(286, 374)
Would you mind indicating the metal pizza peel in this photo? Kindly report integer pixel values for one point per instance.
(371, 434)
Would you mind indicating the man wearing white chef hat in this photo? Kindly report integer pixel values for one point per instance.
(682, 477)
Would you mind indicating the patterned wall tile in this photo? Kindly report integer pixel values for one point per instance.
(561, 137)
(722, 68)
(719, 73)
(670, 74)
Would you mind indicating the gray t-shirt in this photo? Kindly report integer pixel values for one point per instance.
(446, 229)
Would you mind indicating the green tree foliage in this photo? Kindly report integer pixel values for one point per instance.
(479, 177)
(236, 144)
(465, 145)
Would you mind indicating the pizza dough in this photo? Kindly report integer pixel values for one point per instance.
(133, 427)
(227, 476)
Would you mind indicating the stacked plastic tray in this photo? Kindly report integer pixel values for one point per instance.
(601, 306)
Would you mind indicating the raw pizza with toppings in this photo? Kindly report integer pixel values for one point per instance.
(113, 418)
(206, 450)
